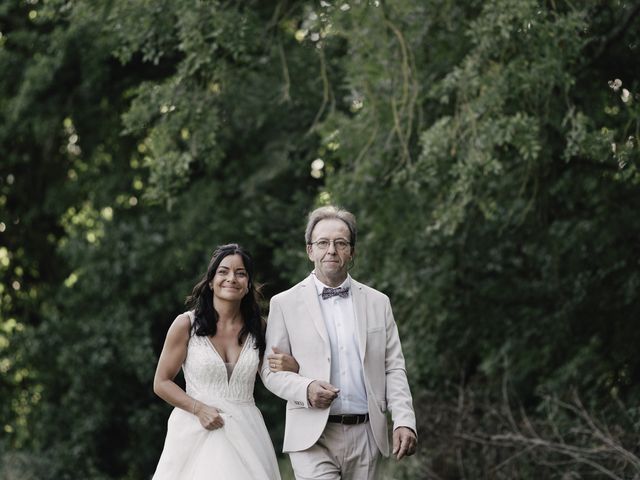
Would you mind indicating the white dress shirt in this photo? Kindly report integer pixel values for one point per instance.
(346, 362)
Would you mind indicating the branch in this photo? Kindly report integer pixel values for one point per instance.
(285, 73)
(326, 90)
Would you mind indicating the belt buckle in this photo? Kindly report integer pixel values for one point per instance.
(354, 419)
(351, 419)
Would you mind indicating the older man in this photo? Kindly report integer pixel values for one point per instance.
(344, 337)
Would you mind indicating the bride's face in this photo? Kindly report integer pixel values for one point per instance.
(231, 280)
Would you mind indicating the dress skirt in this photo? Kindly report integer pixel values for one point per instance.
(240, 450)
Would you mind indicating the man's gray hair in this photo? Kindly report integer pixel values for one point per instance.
(330, 212)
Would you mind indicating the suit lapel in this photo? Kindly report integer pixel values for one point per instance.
(310, 296)
(359, 303)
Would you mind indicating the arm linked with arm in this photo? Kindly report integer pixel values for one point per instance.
(288, 385)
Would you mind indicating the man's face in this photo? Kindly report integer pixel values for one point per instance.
(331, 262)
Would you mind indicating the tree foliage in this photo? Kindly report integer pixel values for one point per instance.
(498, 189)
(486, 148)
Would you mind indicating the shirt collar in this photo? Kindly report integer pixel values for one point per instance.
(320, 285)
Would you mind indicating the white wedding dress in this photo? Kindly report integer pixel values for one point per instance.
(241, 449)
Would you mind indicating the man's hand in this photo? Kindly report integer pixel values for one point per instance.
(320, 394)
(404, 442)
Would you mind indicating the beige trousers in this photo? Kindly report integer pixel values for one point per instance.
(346, 452)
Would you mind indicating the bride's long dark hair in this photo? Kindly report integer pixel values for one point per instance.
(201, 300)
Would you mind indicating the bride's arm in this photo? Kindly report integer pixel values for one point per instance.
(171, 359)
(286, 384)
(279, 361)
(282, 362)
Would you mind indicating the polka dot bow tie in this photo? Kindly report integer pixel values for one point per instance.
(332, 292)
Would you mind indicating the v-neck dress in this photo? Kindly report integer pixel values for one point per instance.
(241, 449)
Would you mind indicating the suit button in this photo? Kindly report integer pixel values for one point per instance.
(329, 360)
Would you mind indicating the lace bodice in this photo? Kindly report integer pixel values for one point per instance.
(205, 372)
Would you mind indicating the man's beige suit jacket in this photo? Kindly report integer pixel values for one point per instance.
(296, 326)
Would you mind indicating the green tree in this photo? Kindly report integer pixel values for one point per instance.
(495, 176)
(492, 168)
(178, 129)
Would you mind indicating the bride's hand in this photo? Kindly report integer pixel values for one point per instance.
(209, 417)
(282, 362)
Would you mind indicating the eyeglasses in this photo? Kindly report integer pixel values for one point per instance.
(339, 243)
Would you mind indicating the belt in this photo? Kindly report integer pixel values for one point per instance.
(349, 419)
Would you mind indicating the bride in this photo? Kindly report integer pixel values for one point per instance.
(216, 431)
